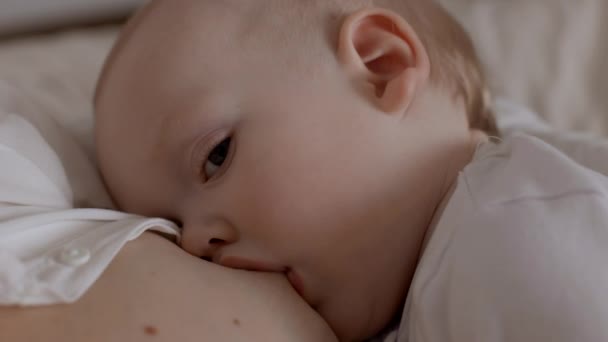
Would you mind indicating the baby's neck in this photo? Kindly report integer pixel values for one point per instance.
(477, 138)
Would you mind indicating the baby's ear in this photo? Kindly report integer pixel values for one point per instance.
(380, 49)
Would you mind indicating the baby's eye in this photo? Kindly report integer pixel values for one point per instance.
(216, 158)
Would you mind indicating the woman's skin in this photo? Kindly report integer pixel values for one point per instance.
(154, 291)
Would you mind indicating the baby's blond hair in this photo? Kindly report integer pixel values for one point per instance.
(454, 61)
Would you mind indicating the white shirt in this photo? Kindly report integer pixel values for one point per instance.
(519, 254)
(51, 251)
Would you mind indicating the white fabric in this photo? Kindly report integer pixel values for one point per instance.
(57, 73)
(587, 149)
(50, 250)
(519, 253)
(25, 15)
(547, 54)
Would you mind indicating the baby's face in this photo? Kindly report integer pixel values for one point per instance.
(269, 167)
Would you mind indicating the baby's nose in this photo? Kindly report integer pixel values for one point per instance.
(205, 240)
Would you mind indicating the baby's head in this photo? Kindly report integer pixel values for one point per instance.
(311, 137)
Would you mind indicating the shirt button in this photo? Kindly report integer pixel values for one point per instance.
(74, 256)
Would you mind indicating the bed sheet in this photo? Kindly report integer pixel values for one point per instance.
(547, 54)
(57, 74)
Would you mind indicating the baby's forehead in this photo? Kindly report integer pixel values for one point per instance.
(237, 21)
(186, 44)
(169, 18)
(163, 26)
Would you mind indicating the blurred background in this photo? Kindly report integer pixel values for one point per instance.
(29, 15)
(549, 55)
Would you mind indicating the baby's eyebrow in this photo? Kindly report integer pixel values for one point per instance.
(167, 130)
(169, 126)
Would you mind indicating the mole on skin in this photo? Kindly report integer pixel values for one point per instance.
(150, 330)
(236, 322)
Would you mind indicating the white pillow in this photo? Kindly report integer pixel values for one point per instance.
(57, 74)
(25, 15)
(547, 54)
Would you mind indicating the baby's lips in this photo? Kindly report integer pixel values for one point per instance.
(259, 266)
(250, 265)
(296, 282)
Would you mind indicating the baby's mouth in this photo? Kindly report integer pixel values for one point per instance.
(250, 265)
(298, 285)
(296, 282)
(258, 266)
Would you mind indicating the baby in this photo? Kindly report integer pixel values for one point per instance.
(345, 144)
